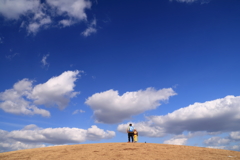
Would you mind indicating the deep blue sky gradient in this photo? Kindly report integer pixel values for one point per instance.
(192, 47)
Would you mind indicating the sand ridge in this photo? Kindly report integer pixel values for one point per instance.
(116, 151)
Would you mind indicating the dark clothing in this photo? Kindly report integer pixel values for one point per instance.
(130, 135)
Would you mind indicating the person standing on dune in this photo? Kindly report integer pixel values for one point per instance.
(130, 131)
(135, 136)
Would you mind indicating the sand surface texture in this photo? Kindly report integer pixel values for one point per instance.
(121, 151)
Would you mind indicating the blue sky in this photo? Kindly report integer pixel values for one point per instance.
(80, 71)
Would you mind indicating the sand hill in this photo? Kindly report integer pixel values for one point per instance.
(121, 151)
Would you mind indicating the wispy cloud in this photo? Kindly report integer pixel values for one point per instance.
(186, 1)
(191, 1)
(1, 39)
(11, 124)
(11, 56)
(78, 111)
(91, 29)
(44, 61)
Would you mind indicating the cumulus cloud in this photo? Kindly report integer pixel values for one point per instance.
(8, 144)
(235, 136)
(217, 147)
(220, 115)
(95, 134)
(31, 126)
(14, 100)
(56, 91)
(211, 116)
(110, 107)
(144, 129)
(51, 13)
(23, 97)
(32, 136)
(217, 141)
(12, 145)
(60, 135)
(183, 138)
(234, 147)
(176, 141)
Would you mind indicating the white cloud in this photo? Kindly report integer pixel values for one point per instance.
(91, 29)
(144, 129)
(13, 9)
(23, 97)
(32, 136)
(217, 147)
(235, 135)
(72, 8)
(66, 22)
(176, 141)
(81, 111)
(34, 26)
(75, 112)
(33, 11)
(8, 144)
(44, 60)
(41, 15)
(31, 126)
(14, 100)
(234, 147)
(16, 145)
(220, 115)
(211, 116)
(94, 134)
(198, 120)
(78, 111)
(111, 108)
(56, 91)
(217, 141)
(228, 143)
(183, 138)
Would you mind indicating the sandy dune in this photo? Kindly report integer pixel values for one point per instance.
(114, 151)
